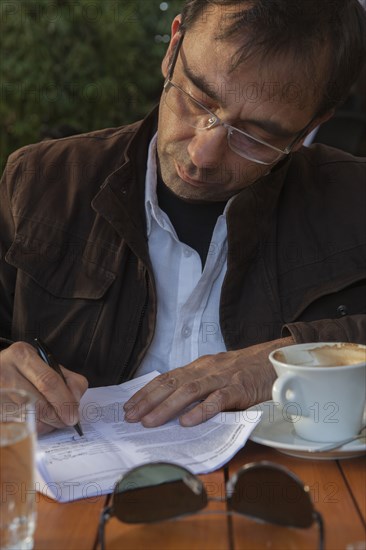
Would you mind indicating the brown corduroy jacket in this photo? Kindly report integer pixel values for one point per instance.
(75, 267)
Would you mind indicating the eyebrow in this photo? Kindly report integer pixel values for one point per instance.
(272, 127)
(202, 84)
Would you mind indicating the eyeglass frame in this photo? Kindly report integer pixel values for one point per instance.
(107, 512)
(219, 122)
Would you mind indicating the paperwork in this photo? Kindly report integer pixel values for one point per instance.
(70, 467)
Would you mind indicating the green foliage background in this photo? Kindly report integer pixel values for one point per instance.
(70, 66)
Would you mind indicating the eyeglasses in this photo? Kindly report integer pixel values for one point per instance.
(261, 490)
(196, 115)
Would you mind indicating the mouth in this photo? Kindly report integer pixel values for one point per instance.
(187, 179)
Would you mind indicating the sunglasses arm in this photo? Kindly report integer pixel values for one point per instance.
(318, 518)
(104, 517)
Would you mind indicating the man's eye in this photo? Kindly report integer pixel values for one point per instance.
(262, 135)
(253, 132)
(242, 141)
(203, 99)
(193, 104)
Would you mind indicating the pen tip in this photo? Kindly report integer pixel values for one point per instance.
(78, 429)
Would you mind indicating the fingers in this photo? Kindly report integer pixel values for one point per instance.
(56, 403)
(154, 412)
(150, 395)
(154, 395)
(165, 396)
(77, 383)
(50, 415)
(226, 381)
(224, 399)
(171, 393)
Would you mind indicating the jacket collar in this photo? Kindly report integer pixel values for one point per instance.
(251, 215)
(121, 197)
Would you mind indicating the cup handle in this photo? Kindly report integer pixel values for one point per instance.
(286, 390)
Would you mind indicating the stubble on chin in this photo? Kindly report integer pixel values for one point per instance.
(219, 183)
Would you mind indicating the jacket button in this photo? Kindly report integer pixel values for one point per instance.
(342, 311)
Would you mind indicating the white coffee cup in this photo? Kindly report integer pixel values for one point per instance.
(321, 388)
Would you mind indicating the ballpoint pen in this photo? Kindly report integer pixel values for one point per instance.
(49, 359)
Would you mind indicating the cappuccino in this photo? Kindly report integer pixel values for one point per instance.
(321, 388)
(327, 355)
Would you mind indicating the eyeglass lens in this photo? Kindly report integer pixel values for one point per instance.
(160, 491)
(183, 105)
(156, 492)
(195, 115)
(273, 495)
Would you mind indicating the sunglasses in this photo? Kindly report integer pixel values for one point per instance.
(261, 490)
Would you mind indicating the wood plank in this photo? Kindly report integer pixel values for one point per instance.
(330, 495)
(197, 532)
(71, 526)
(74, 525)
(354, 471)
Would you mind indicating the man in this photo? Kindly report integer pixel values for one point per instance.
(199, 240)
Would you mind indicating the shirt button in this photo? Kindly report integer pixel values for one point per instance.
(342, 310)
(187, 252)
(186, 332)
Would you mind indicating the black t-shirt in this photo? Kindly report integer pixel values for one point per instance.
(193, 222)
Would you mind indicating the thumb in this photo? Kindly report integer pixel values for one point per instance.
(77, 383)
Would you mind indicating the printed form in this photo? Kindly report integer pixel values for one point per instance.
(70, 467)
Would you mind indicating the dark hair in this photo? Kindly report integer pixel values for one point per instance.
(307, 29)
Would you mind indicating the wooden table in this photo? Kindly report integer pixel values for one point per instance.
(338, 490)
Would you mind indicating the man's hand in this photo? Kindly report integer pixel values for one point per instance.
(226, 381)
(57, 403)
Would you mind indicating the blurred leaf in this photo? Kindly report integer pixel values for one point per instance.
(70, 66)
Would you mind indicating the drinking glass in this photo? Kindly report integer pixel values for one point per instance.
(17, 463)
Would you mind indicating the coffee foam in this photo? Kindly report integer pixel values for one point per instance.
(329, 355)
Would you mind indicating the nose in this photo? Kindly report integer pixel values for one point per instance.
(207, 147)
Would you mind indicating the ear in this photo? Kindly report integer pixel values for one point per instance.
(316, 122)
(175, 35)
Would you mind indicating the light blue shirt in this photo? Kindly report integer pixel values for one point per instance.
(187, 323)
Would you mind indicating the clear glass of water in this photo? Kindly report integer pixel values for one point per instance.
(17, 464)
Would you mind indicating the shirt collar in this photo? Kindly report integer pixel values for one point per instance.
(151, 201)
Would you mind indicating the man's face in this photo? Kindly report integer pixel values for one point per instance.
(265, 101)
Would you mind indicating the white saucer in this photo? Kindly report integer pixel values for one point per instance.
(276, 430)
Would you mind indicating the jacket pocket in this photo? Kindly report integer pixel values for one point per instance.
(329, 301)
(59, 296)
(62, 269)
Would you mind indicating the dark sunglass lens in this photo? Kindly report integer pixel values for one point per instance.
(157, 491)
(269, 493)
